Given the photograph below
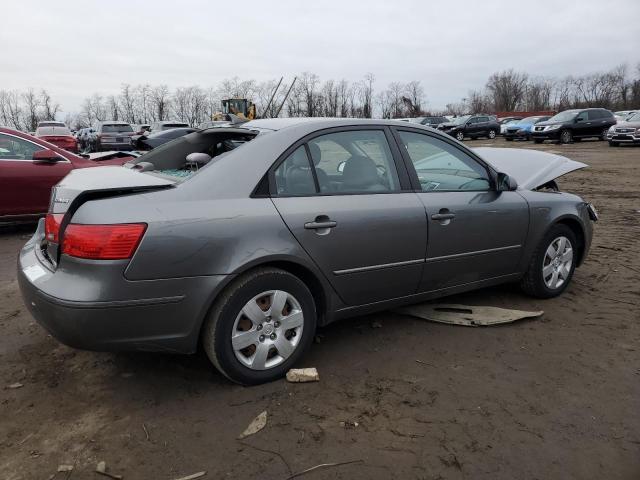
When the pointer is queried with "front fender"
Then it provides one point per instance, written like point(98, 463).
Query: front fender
point(549, 208)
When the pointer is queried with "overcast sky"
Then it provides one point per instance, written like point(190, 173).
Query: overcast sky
point(74, 48)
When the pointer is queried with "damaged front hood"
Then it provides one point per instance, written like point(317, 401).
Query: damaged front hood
point(530, 168)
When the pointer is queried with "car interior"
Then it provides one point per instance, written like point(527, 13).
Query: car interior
point(349, 162)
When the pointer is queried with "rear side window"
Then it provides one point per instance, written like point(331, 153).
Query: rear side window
point(116, 128)
point(294, 175)
point(354, 161)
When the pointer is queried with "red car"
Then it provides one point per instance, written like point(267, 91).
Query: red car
point(59, 136)
point(29, 167)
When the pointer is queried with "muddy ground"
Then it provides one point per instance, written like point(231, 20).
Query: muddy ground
point(552, 398)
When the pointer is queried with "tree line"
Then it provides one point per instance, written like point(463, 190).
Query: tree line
point(309, 96)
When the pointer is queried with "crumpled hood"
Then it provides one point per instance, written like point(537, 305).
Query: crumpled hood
point(530, 168)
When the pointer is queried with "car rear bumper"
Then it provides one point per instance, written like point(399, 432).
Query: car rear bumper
point(105, 311)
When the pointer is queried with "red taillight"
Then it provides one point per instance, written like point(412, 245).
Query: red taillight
point(102, 242)
point(52, 226)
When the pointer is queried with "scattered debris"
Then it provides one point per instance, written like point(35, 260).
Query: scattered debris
point(65, 468)
point(425, 363)
point(301, 375)
point(255, 426)
point(146, 432)
point(376, 324)
point(101, 468)
point(13, 386)
point(402, 434)
point(470, 316)
point(322, 465)
point(192, 476)
point(349, 424)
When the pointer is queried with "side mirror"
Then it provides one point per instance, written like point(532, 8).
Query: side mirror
point(340, 168)
point(505, 183)
point(46, 155)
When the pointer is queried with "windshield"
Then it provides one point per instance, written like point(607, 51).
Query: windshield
point(460, 120)
point(634, 117)
point(116, 128)
point(564, 116)
point(528, 120)
point(52, 130)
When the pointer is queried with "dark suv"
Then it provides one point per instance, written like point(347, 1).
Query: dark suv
point(109, 135)
point(471, 126)
point(434, 121)
point(574, 125)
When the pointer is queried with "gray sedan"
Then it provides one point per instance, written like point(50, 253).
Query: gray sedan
point(246, 239)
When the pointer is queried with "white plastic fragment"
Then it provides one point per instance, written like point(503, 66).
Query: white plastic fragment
point(255, 426)
point(301, 375)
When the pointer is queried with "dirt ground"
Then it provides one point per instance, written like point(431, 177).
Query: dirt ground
point(552, 398)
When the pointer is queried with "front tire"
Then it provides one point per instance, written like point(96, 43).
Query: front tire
point(552, 264)
point(460, 136)
point(260, 326)
point(565, 137)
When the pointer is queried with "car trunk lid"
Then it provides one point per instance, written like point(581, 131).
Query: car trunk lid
point(86, 184)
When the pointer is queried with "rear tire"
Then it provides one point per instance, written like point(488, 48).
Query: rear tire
point(271, 348)
point(603, 135)
point(539, 280)
point(565, 137)
point(492, 134)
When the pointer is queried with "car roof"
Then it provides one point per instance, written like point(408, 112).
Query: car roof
point(275, 124)
point(113, 122)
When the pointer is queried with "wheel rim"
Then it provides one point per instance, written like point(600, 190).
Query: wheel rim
point(460, 136)
point(557, 263)
point(267, 330)
point(492, 134)
point(604, 133)
point(566, 137)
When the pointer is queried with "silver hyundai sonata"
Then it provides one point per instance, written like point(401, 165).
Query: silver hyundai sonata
point(247, 238)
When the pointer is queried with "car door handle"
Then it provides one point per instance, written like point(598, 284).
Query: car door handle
point(320, 222)
point(443, 216)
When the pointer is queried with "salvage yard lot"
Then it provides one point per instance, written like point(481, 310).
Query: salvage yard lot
point(557, 397)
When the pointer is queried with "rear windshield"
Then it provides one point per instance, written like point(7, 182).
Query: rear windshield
point(116, 128)
point(172, 155)
point(173, 125)
point(51, 131)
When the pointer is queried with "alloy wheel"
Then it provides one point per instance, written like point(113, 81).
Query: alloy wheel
point(605, 131)
point(565, 136)
point(460, 136)
point(492, 134)
point(557, 262)
point(267, 330)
